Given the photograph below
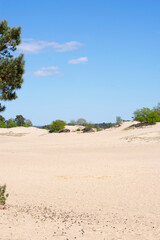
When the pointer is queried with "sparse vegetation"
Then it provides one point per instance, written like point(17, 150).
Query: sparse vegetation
point(3, 195)
point(83, 122)
point(80, 122)
point(64, 130)
point(88, 128)
point(104, 125)
point(118, 120)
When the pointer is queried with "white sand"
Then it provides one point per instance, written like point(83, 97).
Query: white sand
point(90, 186)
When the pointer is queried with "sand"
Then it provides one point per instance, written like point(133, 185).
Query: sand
point(84, 186)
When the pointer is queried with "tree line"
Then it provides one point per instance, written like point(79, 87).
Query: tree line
point(19, 121)
point(144, 115)
point(83, 122)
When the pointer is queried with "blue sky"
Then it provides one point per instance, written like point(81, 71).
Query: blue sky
point(95, 59)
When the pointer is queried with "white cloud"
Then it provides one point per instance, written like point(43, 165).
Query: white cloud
point(41, 73)
point(65, 47)
point(82, 60)
point(49, 68)
point(32, 46)
point(46, 71)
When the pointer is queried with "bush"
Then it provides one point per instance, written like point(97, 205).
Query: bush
point(64, 131)
point(11, 123)
point(146, 115)
point(2, 124)
point(57, 126)
point(88, 128)
point(78, 130)
point(3, 195)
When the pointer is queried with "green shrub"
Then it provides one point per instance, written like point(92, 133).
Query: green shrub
point(88, 128)
point(11, 123)
point(98, 129)
point(2, 124)
point(146, 115)
point(57, 126)
point(3, 195)
point(78, 130)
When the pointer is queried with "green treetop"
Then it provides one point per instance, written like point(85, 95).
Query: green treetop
point(11, 67)
point(146, 115)
point(19, 120)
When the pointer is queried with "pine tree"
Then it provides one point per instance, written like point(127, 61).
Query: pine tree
point(11, 67)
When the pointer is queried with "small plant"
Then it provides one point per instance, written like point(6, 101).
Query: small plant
point(98, 129)
point(78, 130)
point(3, 195)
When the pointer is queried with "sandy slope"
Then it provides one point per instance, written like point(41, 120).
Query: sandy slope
point(93, 186)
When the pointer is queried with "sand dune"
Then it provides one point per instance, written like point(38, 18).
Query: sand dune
point(90, 186)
